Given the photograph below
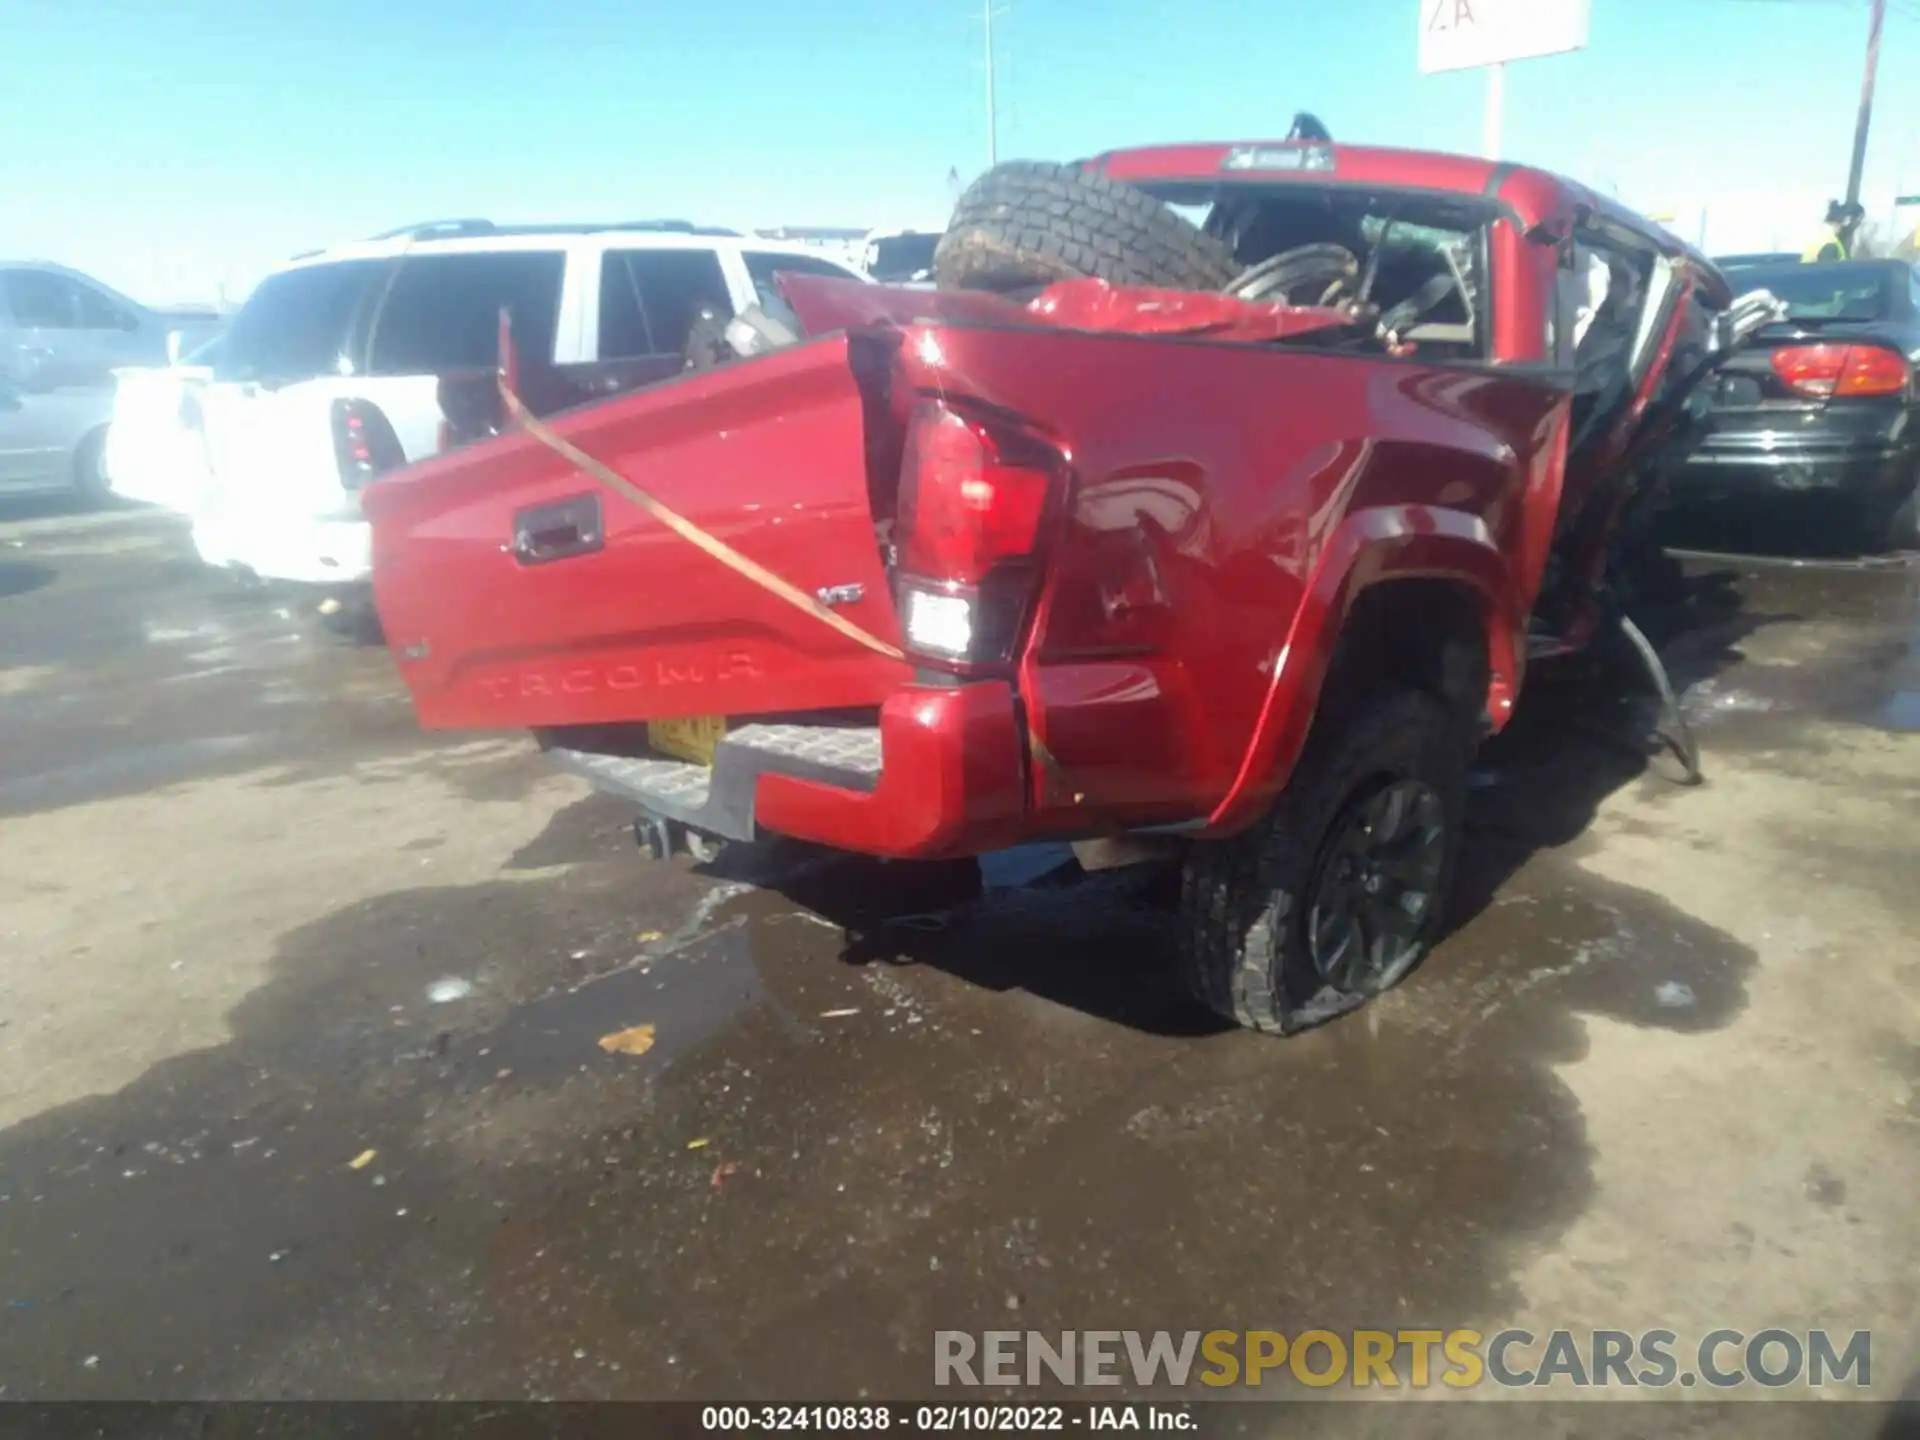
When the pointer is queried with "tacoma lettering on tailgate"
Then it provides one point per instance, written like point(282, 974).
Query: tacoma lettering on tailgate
point(592, 679)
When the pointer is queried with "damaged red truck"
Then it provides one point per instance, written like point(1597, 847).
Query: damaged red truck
point(1234, 532)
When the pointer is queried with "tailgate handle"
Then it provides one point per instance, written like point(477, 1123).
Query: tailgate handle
point(558, 531)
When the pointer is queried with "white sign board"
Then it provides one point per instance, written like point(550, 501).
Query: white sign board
point(1463, 34)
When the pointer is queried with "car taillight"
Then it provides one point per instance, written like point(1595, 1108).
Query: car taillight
point(364, 445)
point(1824, 371)
point(974, 500)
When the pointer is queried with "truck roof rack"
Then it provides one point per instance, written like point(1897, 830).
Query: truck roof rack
point(433, 229)
point(810, 232)
point(451, 229)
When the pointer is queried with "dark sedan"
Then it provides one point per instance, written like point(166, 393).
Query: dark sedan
point(1820, 409)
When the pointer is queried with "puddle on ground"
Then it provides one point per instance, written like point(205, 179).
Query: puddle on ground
point(142, 767)
point(1029, 1119)
point(1902, 711)
point(17, 578)
point(825, 1153)
point(1837, 642)
point(685, 996)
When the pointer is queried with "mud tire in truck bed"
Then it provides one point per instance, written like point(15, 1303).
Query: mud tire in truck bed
point(1029, 223)
point(1245, 902)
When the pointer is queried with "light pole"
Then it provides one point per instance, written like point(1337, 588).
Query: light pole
point(1859, 164)
point(993, 135)
point(1495, 113)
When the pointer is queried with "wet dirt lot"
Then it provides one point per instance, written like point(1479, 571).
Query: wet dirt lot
point(301, 1089)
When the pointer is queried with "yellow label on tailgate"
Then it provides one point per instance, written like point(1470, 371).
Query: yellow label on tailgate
point(692, 738)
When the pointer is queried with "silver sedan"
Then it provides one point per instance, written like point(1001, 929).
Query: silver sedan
point(62, 335)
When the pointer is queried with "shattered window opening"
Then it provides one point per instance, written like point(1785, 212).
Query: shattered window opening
point(1421, 251)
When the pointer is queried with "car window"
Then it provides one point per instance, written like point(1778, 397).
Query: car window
point(298, 323)
point(1443, 259)
point(207, 352)
point(41, 300)
point(1422, 258)
point(762, 266)
point(623, 325)
point(98, 312)
point(1913, 286)
point(1606, 295)
point(442, 312)
point(901, 257)
point(1848, 290)
point(655, 309)
point(1610, 310)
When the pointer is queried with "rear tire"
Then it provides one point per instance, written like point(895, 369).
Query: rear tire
point(1029, 223)
point(1261, 913)
point(352, 618)
point(92, 486)
point(1883, 529)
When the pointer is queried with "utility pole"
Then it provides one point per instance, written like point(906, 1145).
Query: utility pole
point(1493, 116)
point(993, 137)
point(1852, 221)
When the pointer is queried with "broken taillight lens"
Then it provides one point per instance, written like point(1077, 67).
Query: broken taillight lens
point(974, 500)
point(1822, 372)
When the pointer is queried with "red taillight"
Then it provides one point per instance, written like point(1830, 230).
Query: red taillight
point(964, 509)
point(1872, 371)
point(364, 445)
point(973, 501)
point(358, 451)
point(1824, 371)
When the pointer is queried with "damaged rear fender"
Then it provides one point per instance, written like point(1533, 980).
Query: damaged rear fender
point(1377, 547)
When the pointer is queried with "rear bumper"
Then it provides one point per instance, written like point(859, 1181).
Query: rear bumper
point(306, 551)
point(942, 774)
point(1792, 466)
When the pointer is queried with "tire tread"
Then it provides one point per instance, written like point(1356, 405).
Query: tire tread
point(1240, 954)
point(1031, 222)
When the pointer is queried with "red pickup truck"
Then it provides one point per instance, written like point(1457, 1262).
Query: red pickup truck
point(1217, 499)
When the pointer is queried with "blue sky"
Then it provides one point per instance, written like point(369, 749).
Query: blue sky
point(164, 145)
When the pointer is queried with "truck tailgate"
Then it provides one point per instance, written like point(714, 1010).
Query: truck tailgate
point(517, 591)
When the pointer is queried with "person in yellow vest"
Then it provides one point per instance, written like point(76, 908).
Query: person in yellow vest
point(1835, 241)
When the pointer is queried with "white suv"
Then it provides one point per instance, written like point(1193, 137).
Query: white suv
point(330, 372)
